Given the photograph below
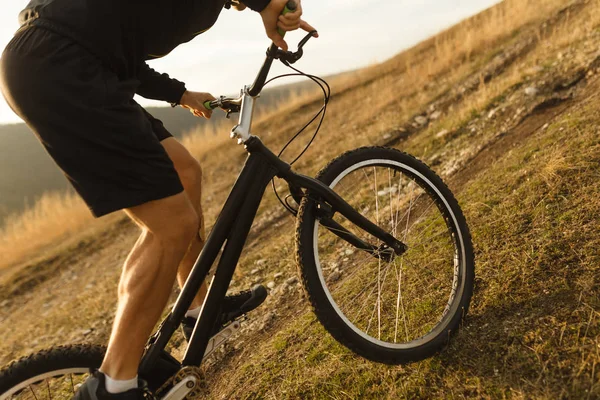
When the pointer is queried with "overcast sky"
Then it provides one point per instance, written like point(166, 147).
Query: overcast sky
point(354, 33)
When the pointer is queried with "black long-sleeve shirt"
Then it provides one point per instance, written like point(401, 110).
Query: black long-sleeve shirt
point(127, 33)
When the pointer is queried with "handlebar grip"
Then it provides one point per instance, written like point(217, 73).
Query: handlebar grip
point(290, 7)
point(208, 105)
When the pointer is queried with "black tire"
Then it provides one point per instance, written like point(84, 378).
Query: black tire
point(326, 289)
point(72, 363)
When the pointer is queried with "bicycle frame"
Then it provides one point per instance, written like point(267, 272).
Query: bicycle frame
point(232, 227)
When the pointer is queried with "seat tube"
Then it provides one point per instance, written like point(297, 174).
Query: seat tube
point(260, 173)
point(214, 243)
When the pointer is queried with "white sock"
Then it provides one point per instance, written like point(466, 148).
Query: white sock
point(114, 386)
point(195, 313)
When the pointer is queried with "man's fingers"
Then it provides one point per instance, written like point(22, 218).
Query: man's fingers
point(291, 26)
point(288, 27)
point(281, 43)
point(290, 17)
point(307, 27)
point(287, 21)
point(278, 40)
point(206, 113)
point(202, 113)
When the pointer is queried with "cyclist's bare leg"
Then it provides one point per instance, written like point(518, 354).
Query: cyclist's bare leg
point(190, 175)
point(168, 226)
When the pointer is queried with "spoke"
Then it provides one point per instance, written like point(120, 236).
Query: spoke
point(410, 203)
point(72, 384)
point(422, 285)
point(397, 206)
point(427, 227)
point(422, 213)
point(379, 299)
point(48, 387)
point(400, 303)
point(398, 277)
point(376, 196)
point(366, 300)
point(378, 261)
point(358, 295)
point(407, 212)
point(365, 172)
point(351, 187)
point(32, 392)
point(357, 270)
point(391, 200)
point(380, 286)
point(423, 243)
point(371, 319)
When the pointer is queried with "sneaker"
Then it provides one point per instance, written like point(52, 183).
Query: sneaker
point(233, 307)
point(94, 388)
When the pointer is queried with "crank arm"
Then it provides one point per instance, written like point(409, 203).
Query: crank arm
point(180, 390)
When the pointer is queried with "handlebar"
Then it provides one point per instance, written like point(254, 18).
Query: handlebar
point(291, 6)
point(233, 105)
point(226, 103)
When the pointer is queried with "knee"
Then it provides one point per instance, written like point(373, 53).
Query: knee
point(178, 234)
point(191, 175)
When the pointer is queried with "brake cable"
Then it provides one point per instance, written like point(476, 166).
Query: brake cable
point(326, 89)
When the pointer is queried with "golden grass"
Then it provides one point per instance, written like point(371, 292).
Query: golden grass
point(49, 220)
point(203, 140)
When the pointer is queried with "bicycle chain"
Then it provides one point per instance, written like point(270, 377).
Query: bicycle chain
point(183, 373)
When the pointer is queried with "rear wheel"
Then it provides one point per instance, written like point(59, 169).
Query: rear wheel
point(397, 310)
point(50, 374)
point(56, 374)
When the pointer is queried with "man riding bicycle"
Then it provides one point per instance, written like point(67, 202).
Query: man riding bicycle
point(71, 73)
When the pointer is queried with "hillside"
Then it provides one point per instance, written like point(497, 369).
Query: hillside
point(504, 107)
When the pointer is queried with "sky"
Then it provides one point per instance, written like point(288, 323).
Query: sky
point(353, 34)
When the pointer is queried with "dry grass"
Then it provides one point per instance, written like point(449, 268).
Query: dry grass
point(49, 220)
point(204, 140)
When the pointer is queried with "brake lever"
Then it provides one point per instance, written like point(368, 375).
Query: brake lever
point(291, 57)
point(232, 109)
point(310, 35)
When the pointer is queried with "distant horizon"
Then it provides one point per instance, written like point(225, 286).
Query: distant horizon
point(342, 47)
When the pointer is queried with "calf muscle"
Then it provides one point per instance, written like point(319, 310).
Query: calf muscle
point(168, 226)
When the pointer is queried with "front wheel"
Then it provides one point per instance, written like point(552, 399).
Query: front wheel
point(394, 310)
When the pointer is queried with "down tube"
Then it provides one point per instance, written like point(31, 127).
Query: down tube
point(262, 174)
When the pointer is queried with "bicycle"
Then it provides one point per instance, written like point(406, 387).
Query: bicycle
point(419, 239)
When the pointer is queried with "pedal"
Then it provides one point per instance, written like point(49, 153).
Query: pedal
point(220, 338)
point(181, 389)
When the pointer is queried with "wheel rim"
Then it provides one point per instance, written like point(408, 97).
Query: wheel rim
point(59, 384)
point(418, 307)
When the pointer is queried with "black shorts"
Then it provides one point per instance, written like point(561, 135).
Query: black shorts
point(107, 145)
